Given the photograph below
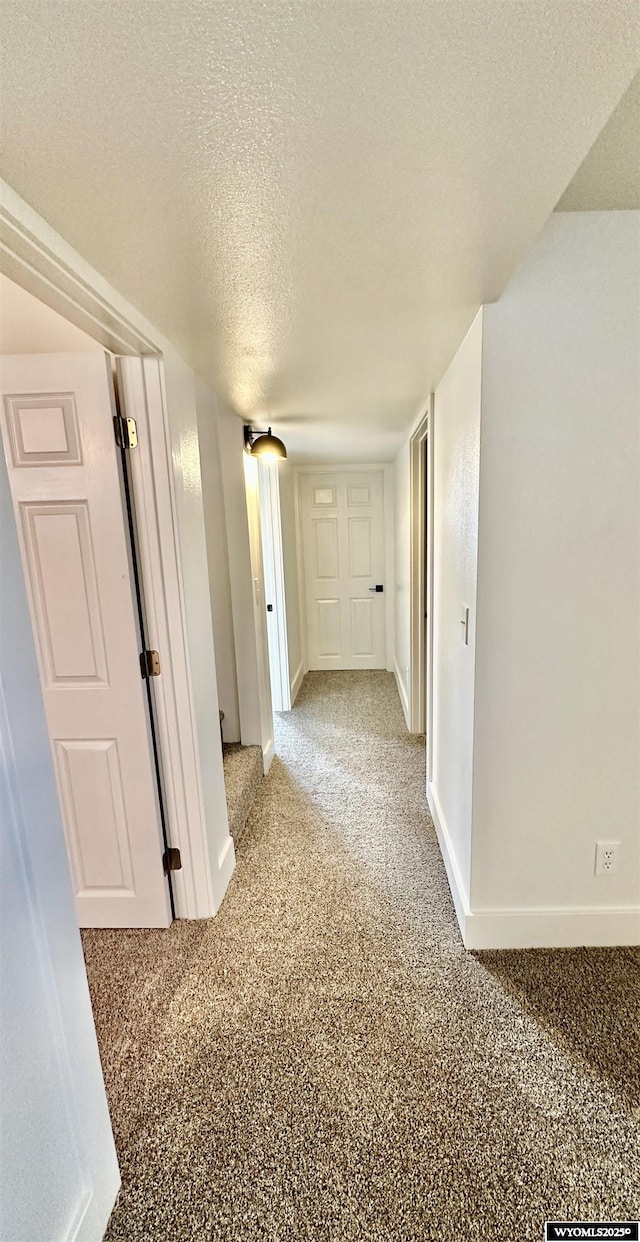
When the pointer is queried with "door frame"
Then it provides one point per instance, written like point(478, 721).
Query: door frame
point(34, 256)
point(273, 566)
point(421, 577)
point(252, 496)
point(386, 469)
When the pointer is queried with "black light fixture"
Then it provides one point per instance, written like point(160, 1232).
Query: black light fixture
point(263, 443)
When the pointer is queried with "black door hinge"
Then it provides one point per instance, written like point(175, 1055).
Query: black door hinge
point(149, 664)
point(126, 432)
point(171, 860)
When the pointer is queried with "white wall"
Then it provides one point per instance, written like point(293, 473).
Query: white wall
point(232, 455)
point(27, 326)
point(402, 561)
point(218, 560)
point(456, 456)
point(557, 714)
point(291, 584)
point(57, 1155)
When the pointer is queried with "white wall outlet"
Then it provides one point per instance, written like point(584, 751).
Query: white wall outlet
point(464, 625)
point(607, 857)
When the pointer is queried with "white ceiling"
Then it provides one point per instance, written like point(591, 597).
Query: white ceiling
point(27, 326)
point(309, 197)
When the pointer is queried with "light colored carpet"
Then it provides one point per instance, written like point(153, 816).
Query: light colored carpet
point(243, 772)
point(324, 1061)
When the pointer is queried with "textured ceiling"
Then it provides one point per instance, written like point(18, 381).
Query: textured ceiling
point(312, 197)
point(609, 178)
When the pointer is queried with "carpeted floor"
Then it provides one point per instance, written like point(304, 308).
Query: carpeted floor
point(243, 774)
point(324, 1061)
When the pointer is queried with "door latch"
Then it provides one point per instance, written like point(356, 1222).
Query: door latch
point(378, 587)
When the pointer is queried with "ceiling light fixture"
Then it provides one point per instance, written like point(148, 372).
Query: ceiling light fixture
point(263, 444)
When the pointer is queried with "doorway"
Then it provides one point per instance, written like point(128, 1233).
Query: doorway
point(421, 576)
point(51, 1073)
point(345, 558)
point(73, 506)
point(274, 585)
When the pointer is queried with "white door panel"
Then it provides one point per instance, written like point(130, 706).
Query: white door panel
point(274, 585)
point(57, 422)
point(252, 493)
point(328, 627)
point(343, 547)
point(361, 553)
point(363, 627)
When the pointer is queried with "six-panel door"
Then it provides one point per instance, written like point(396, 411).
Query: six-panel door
point(57, 423)
point(343, 546)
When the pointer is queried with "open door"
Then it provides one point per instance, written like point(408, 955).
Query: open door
point(274, 585)
point(252, 495)
point(62, 459)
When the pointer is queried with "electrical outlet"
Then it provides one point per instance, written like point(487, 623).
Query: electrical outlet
point(606, 857)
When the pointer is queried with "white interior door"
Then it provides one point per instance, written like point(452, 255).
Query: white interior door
point(252, 494)
point(274, 585)
point(343, 552)
point(57, 426)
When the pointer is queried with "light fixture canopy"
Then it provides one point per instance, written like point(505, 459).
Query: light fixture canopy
point(263, 443)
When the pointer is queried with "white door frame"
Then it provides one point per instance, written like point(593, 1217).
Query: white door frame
point(389, 558)
point(417, 577)
point(252, 494)
point(421, 577)
point(34, 256)
point(273, 559)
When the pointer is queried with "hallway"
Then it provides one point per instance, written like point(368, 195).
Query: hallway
point(324, 1061)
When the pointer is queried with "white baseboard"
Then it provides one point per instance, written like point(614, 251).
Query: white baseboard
point(268, 755)
point(296, 683)
point(552, 929)
point(531, 928)
point(402, 691)
point(226, 867)
point(456, 884)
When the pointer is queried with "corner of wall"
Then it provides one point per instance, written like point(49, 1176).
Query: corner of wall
point(456, 883)
point(296, 682)
point(556, 703)
point(403, 692)
point(455, 443)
